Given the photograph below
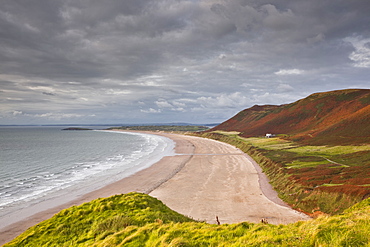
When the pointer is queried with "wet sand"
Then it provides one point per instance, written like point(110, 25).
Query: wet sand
point(205, 179)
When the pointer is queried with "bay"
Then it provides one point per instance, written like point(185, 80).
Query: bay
point(43, 163)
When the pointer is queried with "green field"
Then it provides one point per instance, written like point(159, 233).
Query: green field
point(297, 155)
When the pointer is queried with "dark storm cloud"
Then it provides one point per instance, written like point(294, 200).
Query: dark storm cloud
point(150, 61)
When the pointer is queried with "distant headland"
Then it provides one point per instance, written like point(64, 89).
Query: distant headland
point(76, 128)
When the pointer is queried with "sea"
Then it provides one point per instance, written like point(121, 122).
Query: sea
point(38, 164)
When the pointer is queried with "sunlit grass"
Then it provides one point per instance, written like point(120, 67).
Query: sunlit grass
point(331, 184)
point(139, 220)
point(301, 164)
point(332, 154)
point(270, 143)
point(329, 150)
point(281, 144)
point(227, 132)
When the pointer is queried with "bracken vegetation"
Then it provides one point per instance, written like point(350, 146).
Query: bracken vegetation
point(332, 118)
point(139, 220)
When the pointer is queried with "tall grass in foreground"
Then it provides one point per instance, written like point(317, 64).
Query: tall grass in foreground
point(139, 220)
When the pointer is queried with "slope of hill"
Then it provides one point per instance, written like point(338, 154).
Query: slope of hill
point(335, 117)
point(139, 220)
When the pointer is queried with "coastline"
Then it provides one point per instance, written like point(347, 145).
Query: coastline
point(144, 181)
point(202, 170)
point(72, 169)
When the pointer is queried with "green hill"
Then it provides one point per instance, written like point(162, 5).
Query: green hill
point(139, 220)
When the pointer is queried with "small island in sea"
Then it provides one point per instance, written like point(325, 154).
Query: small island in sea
point(76, 128)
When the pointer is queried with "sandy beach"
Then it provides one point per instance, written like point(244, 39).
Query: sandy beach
point(205, 179)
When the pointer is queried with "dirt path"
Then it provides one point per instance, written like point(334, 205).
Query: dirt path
point(219, 180)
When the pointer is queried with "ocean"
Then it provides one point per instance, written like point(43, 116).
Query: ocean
point(38, 164)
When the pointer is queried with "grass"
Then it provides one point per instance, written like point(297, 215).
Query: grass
point(137, 219)
point(97, 220)
point(324, 151)
point(302, 164)
point(341, 155)
point(329, 150)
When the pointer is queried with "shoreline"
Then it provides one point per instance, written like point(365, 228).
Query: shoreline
point(144, 181)
point(196, 162)
point(159, 147)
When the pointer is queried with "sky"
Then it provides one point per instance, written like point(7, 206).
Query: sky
point(167, 61)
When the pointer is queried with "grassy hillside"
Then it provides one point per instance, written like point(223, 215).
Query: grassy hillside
point(138, 220)
point(97, 220)
point(336, 117)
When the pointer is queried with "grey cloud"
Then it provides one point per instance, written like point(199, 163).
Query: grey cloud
point(47, 93)
point(183, 60)
point(367, 45)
